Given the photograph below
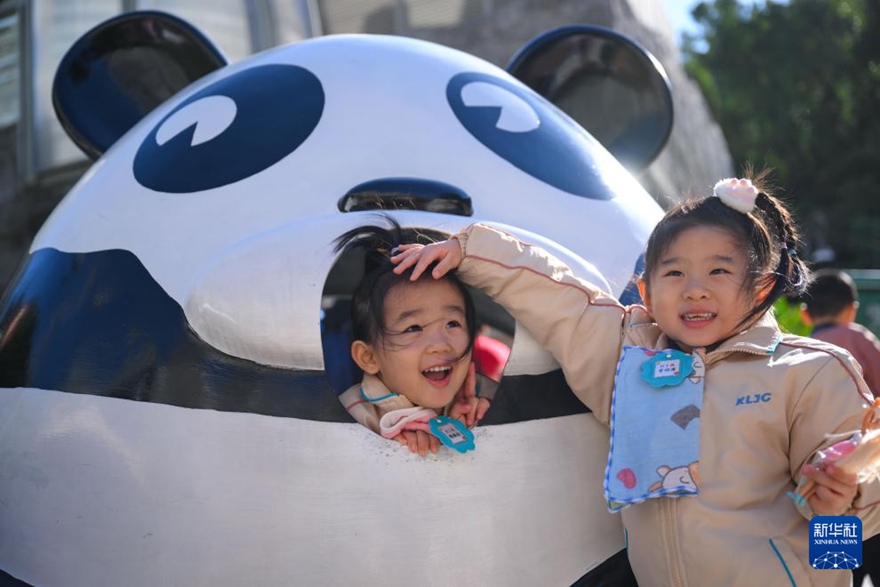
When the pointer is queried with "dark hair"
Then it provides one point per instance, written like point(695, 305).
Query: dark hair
point(831, 292)
point(368, 301)
point(767, 233)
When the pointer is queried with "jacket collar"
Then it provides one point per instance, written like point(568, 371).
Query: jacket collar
point(384, 400)
point(761, 338)
point(374, 392)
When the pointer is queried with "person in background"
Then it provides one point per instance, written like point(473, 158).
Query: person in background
point(830, 307)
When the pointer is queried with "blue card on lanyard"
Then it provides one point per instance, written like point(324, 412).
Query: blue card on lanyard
point(452, 433)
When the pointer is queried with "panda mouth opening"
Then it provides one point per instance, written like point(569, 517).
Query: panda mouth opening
point(403, 193)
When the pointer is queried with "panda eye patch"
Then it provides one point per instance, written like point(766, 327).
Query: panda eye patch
point(528, 132)
point(516, 115)
point(230, 130)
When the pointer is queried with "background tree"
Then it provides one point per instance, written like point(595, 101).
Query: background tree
point(796, 86)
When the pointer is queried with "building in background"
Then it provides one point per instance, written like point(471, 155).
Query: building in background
point(39, 163)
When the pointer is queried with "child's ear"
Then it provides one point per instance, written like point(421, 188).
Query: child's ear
point(850, 313)
point(764, 287)
point(363, 355)
point(643, 291)
point(805, 316)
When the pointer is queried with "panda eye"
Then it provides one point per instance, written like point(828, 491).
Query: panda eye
point(230, 130)
point(516, 114)
point(210, 116)
point(530, 133)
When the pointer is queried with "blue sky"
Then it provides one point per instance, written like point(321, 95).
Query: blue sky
point(679, 13)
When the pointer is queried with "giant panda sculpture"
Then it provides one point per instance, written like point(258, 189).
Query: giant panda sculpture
point(165, 416)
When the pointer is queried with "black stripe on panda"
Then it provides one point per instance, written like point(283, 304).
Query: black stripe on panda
point(7, 580)
point(98, 323)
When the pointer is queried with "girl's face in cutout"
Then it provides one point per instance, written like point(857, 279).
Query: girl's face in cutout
point(696, 290)
point(426, 333)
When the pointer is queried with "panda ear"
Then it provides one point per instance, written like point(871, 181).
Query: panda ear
point(120, 70)
point(606, 82)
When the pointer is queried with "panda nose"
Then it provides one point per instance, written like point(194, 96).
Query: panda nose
point(404, 193)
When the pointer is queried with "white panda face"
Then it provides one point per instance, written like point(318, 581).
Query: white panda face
point(230, 194)
point(283, 136)
point(186, 270)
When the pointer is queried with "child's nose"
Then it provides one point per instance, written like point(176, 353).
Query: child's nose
point(440, 341)
point(696, 290)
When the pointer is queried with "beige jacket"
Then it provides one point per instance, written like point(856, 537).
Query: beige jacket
point(742, 529)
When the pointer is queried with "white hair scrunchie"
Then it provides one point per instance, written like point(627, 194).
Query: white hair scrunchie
point(739, 194)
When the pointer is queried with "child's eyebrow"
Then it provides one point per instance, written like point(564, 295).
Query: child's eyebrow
point(724, 259)
point(418, 311)
point(408, 314)
point(716, 258)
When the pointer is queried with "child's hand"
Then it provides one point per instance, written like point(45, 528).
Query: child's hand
point(467, 407)
point(835, 489)
point(419, 441)
point(447, 254)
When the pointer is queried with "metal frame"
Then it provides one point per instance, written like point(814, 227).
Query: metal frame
point(26, 91)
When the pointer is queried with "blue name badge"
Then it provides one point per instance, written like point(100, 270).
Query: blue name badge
point(452, 433)
point(667, 368)
point(836, 542)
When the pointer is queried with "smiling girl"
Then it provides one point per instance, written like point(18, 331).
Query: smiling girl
point(714, 413)
point(413, 340)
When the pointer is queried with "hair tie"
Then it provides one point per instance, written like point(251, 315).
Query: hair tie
point(738, 194)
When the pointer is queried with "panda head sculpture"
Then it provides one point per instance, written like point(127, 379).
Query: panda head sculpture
point(167, 417)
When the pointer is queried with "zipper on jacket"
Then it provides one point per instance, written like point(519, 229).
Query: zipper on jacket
point(717, 355)
point(667, 508)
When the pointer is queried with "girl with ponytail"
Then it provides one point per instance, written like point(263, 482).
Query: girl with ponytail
point(714, 414)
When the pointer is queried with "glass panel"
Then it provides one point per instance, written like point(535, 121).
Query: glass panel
point(224, 22)
point(358, 16)
point(436, 13)
point(9, 71)
point(292, 21)
point(57, 24)
point(10, 112)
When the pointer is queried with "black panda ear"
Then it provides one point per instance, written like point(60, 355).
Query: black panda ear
point(608, 83)
point(120, 70)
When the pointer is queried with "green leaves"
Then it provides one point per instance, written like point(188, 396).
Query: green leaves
point(796, 86)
